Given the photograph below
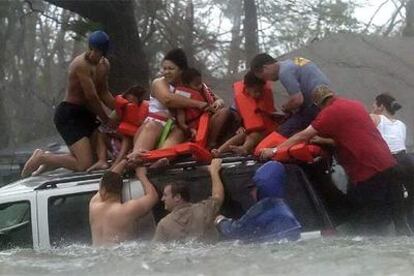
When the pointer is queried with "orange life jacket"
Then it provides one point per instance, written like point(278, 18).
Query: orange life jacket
point(132, 115)
point(192, 115)
point(256, 113)
point(196, 149)
point(299, 152)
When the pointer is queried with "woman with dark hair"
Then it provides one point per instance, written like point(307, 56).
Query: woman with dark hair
point(161, 100)
point(393, 131)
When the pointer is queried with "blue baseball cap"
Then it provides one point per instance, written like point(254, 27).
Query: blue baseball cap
point(99, 40)
point(270, 180)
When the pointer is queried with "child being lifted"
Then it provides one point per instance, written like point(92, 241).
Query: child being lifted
point(194, 88)
point(254, 102)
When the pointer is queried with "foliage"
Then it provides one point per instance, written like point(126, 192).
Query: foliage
point(38, 40)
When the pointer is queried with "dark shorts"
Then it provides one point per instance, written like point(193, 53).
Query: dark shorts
point(298, 121)
point(74, 122)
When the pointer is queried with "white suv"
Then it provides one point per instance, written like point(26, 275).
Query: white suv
point(53, 209)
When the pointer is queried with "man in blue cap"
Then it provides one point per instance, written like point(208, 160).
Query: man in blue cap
point(270, 218)
point(76, 117)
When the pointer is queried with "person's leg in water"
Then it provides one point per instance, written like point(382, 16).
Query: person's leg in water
point(176, 136)
point(218, 122)
point(99, 146)
point(80, 158)
point(406, 165)
point(236, 140)
point(145, 139)
point(126, 146)
point(252, 139)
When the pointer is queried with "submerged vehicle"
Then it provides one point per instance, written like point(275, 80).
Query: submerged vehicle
point(52, 209)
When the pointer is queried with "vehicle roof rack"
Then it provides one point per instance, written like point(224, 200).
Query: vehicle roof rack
point(192, 163)
point(52, 183)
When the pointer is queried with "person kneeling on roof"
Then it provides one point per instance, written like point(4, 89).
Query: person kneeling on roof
point(254, 102)
point(270, 218)
point(376, 194)
point(191, 220)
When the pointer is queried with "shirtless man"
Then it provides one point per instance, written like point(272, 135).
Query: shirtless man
point(111, 220)
point(75, 117)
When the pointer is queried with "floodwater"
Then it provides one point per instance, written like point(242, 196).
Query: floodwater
point(321, 256)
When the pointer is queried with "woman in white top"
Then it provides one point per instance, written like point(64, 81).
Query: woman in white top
point(162, 99)
point(393, 131)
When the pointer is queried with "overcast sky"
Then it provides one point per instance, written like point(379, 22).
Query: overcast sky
point(364, 14)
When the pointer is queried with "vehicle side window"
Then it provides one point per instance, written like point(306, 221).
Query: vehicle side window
point(15, 225)
point(69, 219)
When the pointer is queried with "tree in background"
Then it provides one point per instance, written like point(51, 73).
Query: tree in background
point(128, 62)
point(409, 22)
point(251, 44)
point(39, 38)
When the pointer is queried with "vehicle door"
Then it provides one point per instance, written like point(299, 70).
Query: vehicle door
point(64, 214)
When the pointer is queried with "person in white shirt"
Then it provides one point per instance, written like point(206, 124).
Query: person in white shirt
point(394, 131)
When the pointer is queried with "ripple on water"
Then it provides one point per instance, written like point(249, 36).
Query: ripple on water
point(331, 256)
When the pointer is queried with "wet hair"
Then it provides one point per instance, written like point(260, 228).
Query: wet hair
point(250, 80)
point(259, 60)
point(136, 91)
point(388, 102)
point(178, 57)
point(111, 182)
point(180, 188)
point(189, 75)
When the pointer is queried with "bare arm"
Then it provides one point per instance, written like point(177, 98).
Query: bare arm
point(322, 140)
point(303, 136)
point(217, 189)
point(294, 102)
point(160, 90)
point(375, 118)
point(89, 90)
point(141, 206)
point(102, 72)
point(181, 119)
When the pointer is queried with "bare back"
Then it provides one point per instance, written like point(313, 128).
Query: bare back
point(97, 73)
point(110, 224)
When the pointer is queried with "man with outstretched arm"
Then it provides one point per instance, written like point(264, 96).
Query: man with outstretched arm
point(300, 77)
point(113, 221)
point(375, 194)
point(75, 117)
point(191, 220)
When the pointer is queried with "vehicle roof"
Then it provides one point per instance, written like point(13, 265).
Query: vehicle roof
point(51, 179)
point(48, 180)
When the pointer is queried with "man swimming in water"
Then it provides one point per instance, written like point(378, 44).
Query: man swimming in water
point(75, 117)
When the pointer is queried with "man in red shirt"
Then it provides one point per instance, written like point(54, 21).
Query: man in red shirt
point(360, 149)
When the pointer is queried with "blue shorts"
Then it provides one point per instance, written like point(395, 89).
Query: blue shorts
point(298, 121)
